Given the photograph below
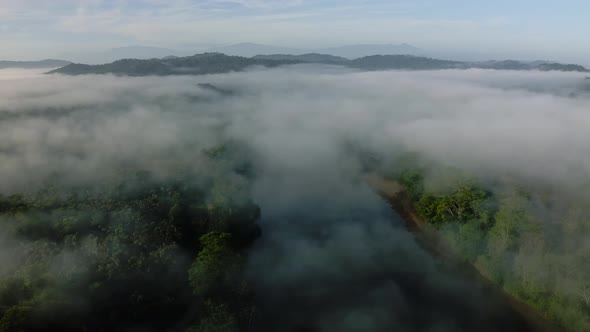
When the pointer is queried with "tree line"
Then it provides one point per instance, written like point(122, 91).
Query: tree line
point(525, 240)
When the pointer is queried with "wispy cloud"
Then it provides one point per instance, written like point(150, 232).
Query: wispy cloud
point(74, 24)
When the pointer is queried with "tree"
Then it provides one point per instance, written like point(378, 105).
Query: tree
point(463, 204)
point(413, 181)
point(530, 265)
point(218, 318)
point(471, 239)
point(434, 208)
point(17, 319)
point(512, 215)
point(216, 266)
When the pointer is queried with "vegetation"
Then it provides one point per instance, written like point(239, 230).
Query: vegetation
point(509, 241)
point(561, 67)
point(200, 64)
point(310, 57)
point(139, 254)
point(213, 63)
point(380, 62)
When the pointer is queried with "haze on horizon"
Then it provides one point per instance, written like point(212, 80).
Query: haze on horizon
point(527, 30)
point(315, 193)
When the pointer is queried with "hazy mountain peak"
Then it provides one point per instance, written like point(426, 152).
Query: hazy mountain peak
point(252, 49)
point(215, 62)
point(360, 50)
point(345, 51)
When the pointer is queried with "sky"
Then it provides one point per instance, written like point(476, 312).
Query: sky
point(531, 29)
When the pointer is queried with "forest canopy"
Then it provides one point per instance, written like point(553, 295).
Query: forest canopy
point(505, 232)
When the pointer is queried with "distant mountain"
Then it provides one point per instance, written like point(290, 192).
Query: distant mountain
point(362, 50)
point(213, 63)
point(309, 58)
point(384, 62)
point(506, 65)
point(347, 51)
point(241, 49)
point(207, 63)
point(252, 49)
point(534, 65)
point(561, 67)
point(42, 64)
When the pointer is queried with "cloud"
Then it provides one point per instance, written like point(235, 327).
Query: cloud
point(333, 255)
point(52, 29)
point(447, 115)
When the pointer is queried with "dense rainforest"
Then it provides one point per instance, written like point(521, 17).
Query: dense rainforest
point(505, 229)
point(137, 254)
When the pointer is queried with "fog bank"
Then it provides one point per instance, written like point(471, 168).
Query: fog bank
point(333, 256)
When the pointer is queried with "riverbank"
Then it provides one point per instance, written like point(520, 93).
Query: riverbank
point(439, 247)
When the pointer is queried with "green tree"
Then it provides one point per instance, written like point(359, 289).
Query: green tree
point(216, 266)
point(217, 318)
point(413, 182)
point(471, 239)
point(431, 207)
point(465, 203)
point(512, 216)
point(17, 319)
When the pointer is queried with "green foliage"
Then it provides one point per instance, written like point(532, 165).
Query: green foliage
point(511, 220)
point(116, 257)
point(218, 318)
point(471, 240)
point(216, 265)
point(199, 64)
point(17, 319)
point(562, 67)
point(432, 208)
point(413, 182)
point(211, 63)
point(215, 277)
point(512, 244)
point(465, 203)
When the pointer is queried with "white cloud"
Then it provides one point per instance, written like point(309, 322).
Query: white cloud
point(71, 25)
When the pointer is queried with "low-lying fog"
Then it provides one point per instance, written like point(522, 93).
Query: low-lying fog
point(492, 120)
point(331, 249)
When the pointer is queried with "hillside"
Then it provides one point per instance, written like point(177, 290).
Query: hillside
point(380, 62)
point(362, 50)
point(345, 51)
point(215, 63)
point(309, 57)
point(200, 64)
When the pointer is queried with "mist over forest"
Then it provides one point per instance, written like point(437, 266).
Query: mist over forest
point(240, 202)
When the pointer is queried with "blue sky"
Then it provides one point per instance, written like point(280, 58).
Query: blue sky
point(521, 28)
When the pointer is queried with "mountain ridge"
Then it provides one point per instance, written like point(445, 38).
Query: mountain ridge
point(215, 63)
point(345, 51)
